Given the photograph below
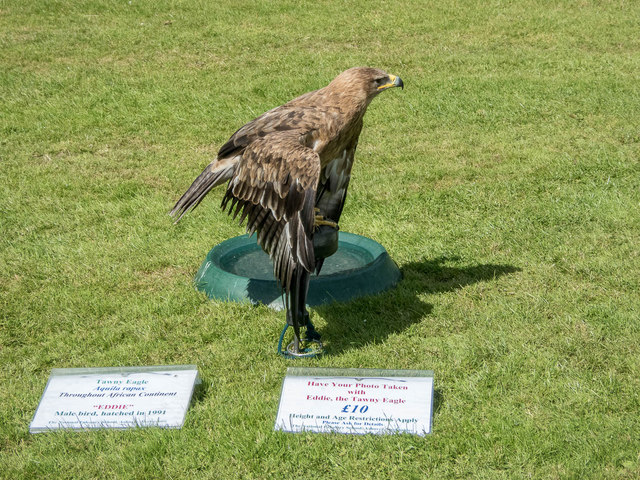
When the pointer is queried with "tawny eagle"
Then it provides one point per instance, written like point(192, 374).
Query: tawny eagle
point(288, 172)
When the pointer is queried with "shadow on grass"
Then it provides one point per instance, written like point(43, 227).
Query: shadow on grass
point(200, 392)
point(372, 319)
point(437, 401)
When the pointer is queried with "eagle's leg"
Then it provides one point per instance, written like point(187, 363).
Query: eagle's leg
point(325, 243)
point(297, 315)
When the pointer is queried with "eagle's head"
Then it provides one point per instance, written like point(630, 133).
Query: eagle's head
point(365, 82)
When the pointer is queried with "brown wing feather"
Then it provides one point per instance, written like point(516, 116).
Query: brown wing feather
point(283, 118)
point(274, 189)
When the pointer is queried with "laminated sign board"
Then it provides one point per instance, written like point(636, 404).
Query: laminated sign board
point(80, 398)
point(356, 401)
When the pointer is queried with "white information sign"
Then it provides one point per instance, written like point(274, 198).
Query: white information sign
point(356, 401)
point(80, 398)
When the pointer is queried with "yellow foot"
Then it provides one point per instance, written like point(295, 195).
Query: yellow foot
point(321, 220)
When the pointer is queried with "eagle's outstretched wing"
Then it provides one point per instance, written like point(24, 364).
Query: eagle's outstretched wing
point(273, 187)
point(283, 120)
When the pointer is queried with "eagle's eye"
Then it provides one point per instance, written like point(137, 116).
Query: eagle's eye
point(379, 81)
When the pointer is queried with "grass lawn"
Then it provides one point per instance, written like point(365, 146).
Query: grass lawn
point(504, 181)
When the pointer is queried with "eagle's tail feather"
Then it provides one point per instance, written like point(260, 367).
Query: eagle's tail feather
point(215, 174)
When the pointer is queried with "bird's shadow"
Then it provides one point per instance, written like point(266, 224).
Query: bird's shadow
point(371, 319)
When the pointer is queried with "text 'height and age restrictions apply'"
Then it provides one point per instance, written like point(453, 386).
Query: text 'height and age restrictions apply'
point(356, 401)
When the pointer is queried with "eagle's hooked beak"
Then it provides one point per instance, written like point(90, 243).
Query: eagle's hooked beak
point(394, 82)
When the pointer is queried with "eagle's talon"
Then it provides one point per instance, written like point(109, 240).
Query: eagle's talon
point(321, 220)
point(311, 334)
